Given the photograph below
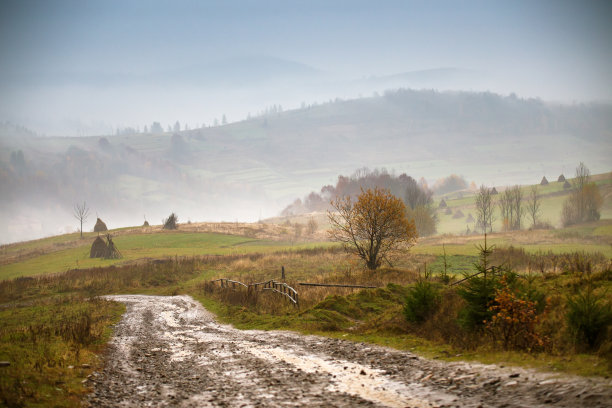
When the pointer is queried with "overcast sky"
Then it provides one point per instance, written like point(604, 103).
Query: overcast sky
point(555, 50)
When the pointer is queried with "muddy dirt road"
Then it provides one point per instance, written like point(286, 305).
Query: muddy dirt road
point(169, 351)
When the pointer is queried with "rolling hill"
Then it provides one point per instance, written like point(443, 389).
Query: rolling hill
point(253, 168)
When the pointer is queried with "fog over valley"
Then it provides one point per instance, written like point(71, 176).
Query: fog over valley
point(252, 169)
point(230, 111)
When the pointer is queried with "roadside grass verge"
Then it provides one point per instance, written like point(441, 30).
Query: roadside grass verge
point(375, 316)
point(53, 327)
point(52, 345)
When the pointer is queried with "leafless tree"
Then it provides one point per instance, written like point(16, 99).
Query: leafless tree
point(297, 231)
point(517, 203)
point(506, 209)
point(312, 226)
point(580, 182)
point(81, 212)
point(534, 202)
point(484, 209)
point(511, 208)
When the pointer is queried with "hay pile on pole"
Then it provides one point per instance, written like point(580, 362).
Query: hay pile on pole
point(544, 182)
point(98, 248)
point(106, 250)
point(100, 226)
point(111, 252)
point(561, 178)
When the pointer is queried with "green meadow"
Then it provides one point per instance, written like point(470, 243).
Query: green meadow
point(137, 246)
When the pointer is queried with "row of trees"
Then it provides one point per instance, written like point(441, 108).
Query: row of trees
point(582, 205)
point(156, 127)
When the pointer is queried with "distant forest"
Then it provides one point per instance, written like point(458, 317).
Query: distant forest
point(416, 195)
point(400, 186)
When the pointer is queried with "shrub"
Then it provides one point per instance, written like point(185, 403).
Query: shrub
point(585, 201)
point(422, 301)
point(514, 320)
point(588, 317)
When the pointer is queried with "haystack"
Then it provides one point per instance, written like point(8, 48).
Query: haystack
point(442, 204)
point(106, 250)
point(98, 248)
point(494, 191)
point(544, 182)
point(561, 178)
point(111, 250)
point(458, 214)
point(146, 223)
point(566, 185)
point(100, 226)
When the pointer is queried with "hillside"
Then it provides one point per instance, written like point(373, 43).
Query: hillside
point(457, 214)
point(252, 169)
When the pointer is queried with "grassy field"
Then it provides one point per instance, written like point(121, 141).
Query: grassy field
point(70, 252)
point(35, 310)
point(553, 196)
point(62, 253)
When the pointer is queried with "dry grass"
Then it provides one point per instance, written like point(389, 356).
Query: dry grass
point(319, 265)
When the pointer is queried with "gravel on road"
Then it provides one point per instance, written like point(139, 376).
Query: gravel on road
point(168, 351)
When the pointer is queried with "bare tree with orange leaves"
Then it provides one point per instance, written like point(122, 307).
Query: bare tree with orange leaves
point(374, 227)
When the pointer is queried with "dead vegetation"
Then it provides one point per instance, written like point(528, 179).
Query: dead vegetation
point(318, 265)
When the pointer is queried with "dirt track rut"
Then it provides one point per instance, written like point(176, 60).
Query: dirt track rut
point(169, 351)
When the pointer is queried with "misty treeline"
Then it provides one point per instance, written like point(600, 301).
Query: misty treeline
point(498, 114)
point(427, 109)
point(108, 176)
point(78, 172)
point(417, 196)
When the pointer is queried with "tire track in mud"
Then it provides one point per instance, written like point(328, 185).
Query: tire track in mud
point(169, 351)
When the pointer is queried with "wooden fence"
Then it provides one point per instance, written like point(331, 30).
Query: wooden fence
point(272, 285)
point(337, 285)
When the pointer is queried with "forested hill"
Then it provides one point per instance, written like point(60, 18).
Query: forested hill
point(253, 168)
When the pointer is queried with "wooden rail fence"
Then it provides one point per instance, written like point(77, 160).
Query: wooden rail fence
point(337, 285)
point(272, 285)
